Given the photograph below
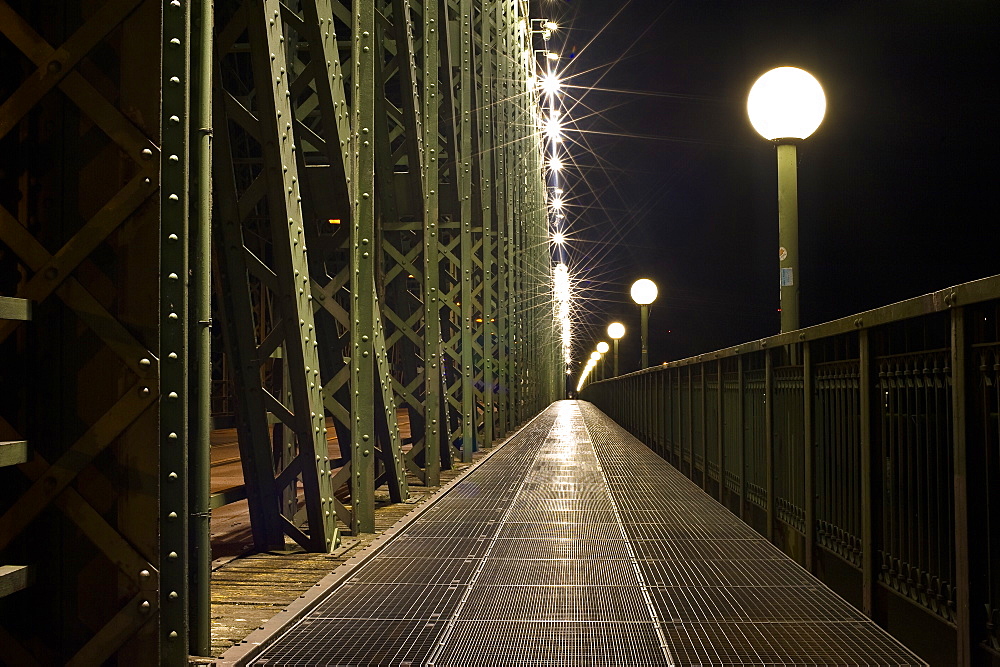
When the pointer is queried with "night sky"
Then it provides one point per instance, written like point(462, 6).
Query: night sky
point(897, 189)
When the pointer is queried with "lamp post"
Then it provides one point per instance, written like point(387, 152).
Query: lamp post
point(616, 330)
point(602, 348)
point(786, 105)
point(644, 293)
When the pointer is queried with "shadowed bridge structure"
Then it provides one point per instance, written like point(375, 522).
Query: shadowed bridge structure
point(322, 225)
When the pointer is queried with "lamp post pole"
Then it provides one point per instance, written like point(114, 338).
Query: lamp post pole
point(785, 105)
point(788, 235)
point(616, 330)
point(644, 293)
point(644, 328)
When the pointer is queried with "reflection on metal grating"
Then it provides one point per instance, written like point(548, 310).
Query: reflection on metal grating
point(575, 544)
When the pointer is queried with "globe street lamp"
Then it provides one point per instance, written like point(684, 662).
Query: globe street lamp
point(616, 330)
point(644, 293)
point(786, 105)
point(603, 348)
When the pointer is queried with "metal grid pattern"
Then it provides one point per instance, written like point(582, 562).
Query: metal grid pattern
point(561, 572)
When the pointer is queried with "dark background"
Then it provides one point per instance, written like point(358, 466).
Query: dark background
point(668, 180)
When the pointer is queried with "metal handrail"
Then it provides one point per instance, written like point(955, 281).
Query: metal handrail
point(868, 444)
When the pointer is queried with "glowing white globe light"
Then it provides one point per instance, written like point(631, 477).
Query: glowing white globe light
point(786, 103)
point(595, 356)
point(644, 291)
point(616, 330)
point(603, 347)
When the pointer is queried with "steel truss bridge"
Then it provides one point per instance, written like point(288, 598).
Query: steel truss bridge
point(317, 220)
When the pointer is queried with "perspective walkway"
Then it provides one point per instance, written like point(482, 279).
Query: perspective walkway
point(575, 544)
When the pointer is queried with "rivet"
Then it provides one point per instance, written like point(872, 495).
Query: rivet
point(172, 476)
point(144, 573)
point(144, 362)
point(173, 595)
point(172, 516)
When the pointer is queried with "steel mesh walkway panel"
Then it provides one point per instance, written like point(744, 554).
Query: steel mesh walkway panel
point(574, 544)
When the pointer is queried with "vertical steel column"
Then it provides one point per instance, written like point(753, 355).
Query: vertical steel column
point(484, 108)
point(463, 169)
point(509, 122)
point(363, 247)
point(174, 396)
point(500, 130)
point(435, 432)
point(200, 417)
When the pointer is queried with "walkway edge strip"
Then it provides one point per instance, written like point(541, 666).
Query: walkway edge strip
point(254, 644)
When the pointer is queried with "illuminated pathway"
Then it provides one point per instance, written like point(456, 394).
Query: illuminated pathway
point(574, 544)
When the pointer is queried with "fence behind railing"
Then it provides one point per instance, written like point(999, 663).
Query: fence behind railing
point(868, 448)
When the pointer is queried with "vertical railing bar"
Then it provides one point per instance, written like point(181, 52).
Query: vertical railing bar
point(964, 583)
point(741, 438)
point(720, 438)
point(808, 504)
point(769, 400)
point(868, 483)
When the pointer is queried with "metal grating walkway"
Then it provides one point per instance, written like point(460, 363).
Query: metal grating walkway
point(575, 544)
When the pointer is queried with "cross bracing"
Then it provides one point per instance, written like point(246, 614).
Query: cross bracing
point(322, 220)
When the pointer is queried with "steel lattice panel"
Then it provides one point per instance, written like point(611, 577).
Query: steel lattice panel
point(618, 604)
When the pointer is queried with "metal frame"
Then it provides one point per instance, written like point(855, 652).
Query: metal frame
point(873, 453)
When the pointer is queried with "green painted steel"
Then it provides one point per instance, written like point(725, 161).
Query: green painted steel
point(366, 179)
point(848, 445)
point(174, 347)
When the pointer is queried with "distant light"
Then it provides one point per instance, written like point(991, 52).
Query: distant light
point(550, 83)
point(553, 128)
point(555, 164)
point(595, 356)
point(334, 221)
point(559, 238)
point(786, 103)
point(551, 25)
point(644, 291)
point(603, 347)
point(551, 55)
point(557, 203)
point(558, 191)
point(616, 330)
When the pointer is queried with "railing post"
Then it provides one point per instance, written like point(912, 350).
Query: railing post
point(965, 582)
point(742, 438)
point(809, 470)
point(868, 477)
point(704, 427)
point(720, 436)
point(769, 441)
point(689, 436)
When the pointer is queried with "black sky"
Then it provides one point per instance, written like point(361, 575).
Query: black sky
point(897, 189)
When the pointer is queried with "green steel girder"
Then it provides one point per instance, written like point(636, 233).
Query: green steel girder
point(100, 236)
point(263, 242)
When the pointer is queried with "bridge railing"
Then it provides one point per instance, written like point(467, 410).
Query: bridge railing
point(868, 448)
